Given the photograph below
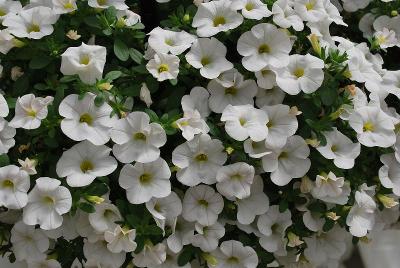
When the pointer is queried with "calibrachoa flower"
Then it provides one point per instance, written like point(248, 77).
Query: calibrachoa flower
point(163, 66)
point(84, 162)
point(14, 187)
point(234, 253)
point(137, 139)
point(47, 202)
point(87, 61)
point(84, 120)
point(164, 41)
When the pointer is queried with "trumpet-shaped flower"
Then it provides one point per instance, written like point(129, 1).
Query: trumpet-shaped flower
point(14, 185)
point(164, 41)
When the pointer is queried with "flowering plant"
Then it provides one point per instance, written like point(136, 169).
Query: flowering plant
point(224, 133)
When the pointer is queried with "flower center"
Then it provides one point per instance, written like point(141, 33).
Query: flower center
point(68, 5)
point(265, 72)
point(270, 124)
point(139, 136)
point(145, 178)
point(334, 148)
point(231, 91)
point(369, 126)
point(2, 12)
point(31, 113)
point(219, 20)
point(203, 203)
point(102, 2)
point(48, 200)
point(310, 6)
point(86, 118)
point(157, 208)
point(264, 48)
point(205, 61)
point(249, 6)
point(33, 28)
point(169, 42)
point(283, 155)
point(233, 260)
point(86, 166)
point(299, 72)
point(108, 213)
point(163, 68)
point(201, 158)
point(274, 228)
point(236, 176)
point(242, 121)
point(7, 183)
point(84, 60)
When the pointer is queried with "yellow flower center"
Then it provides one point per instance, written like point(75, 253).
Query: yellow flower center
point(203, 203)
point(219, 20)
point(249, 6)
point(334, 148)
point(102, 2)
point(270, 124)
point(145, 178)
point(242, 121)
point(169, 42)
point(236, 176)
point(86, 118)
point(68, 5)
point(31, 113)
point(299, 72)
point(368, 126)
point(231, 91)
point(201, 158)
point(33, 28)
point(48, 200)
point(139, 136)
point(205, 61)
point(265, 72)
point(310, 6)
point(84, 60)
point(86, 166)
point(7, 183)
point(163, 68)
point(283, 155)
point(264, 48)
point(2, 12)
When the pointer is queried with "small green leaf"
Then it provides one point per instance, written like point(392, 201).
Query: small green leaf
point(39, 61)
point(136, 55)
point(113, 75)
point(121, 50)
point(86, 207)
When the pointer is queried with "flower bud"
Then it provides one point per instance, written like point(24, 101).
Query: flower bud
point(387, 202)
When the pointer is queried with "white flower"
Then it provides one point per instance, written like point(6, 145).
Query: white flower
point(151, 255)
point(199, 160)
point(207, 237)
point(48, 201)
point(265, 45)
point(165, 210)
point(245, 121)
point(163, 66)
point(361, 217)
point(373, 127)
point(285, 16)
point(33, 23)
point(266, 79)
point(104, 217)
point(85, 229)
point(389, 173)
point(288, 162)
point(313, 221)
point(87, 61)
point(128, 17)
point(340, 148)
point(354, 5)
point(84, 120)
point(14, 185)
point(233, 254)
point(310, 10)
point(237, 92)
point(64, 6)
point(98, 255)
point(164, 41)
point(4, 110)
point(386, 38)
point(216, 16)
point(28, 165)
point(208, 55)
point(83, 162)
point(137, 139)
point(28, 243)
point(67, 230)
point(29, 111)
point(182, 234)
point(326, 247)
point(281, 125)
point(171, 261)
point(191, 124)
point(304, 73)
point(144, 181)
point(331, 189)
point(197, 100)
point(252, 9)
point(202, 204)
point(272, 226)
point(104, 4)
point(7, 41)
point(235, 180)
point(7, 134)
point(255, 204)
point(390, 83)
point(9, 7)
point(121, 239)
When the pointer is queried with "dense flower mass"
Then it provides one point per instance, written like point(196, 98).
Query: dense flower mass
point(197, 133)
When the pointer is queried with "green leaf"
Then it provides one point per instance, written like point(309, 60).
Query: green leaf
point(153, 116)
point(39, 61)
point(113, 75)
point(121, 50)
point(186, 256)
point(4, 160)
point(283, 205)
point(86, 207)
point(136, 55)
point(98, 189)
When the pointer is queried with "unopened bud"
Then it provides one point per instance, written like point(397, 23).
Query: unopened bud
point(105, 86)
point(294, 240)
point(94, 199)
point(315, 44)
point(387, 202)
point(210, 259)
